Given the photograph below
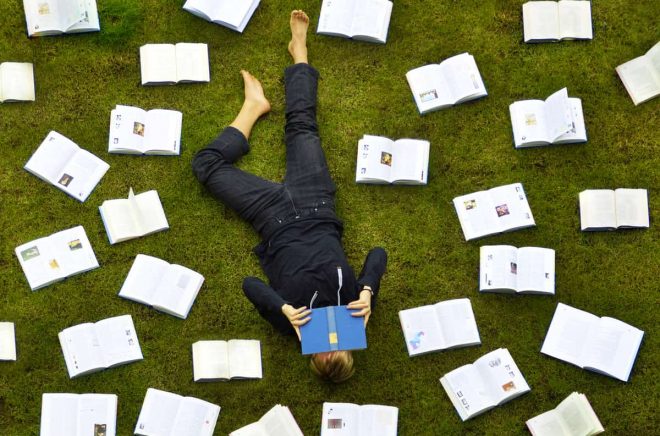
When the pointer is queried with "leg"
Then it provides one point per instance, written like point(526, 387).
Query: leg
point(254, 106)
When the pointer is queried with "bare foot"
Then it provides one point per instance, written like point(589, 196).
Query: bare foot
point(255, 100)
point(298, 45)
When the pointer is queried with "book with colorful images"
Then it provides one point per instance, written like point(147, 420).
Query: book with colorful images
point(441, 326)
point(277, 422)
point(225, 360)
point(232, 14)
point(605, 209)
point(169, 64)
point(346, 419)
point(641, 76)
point(78, 415)
point(56, 257)
point(572, 417)
point(137, 216)
point(136, 131)
point(60, 162)
point(402, 162)
point(552, 21)
point(524, 270)
point(333, 328)
point(16, 81)
point(365, 20)
point(490, 381)
point(497, 210)
point(54, 17)
point(7, 341)
point(454, 80)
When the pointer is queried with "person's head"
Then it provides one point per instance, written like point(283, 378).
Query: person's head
point(335, 366)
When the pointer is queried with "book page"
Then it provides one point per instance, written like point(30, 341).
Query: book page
point(81, 174)
point(256, 429)
point(510, 207)
point(177, 289)
point(97, 415)
point(7, 341)
point(16, 81)
point(548, 424)
point(612, 348)
point(378, 420)
point(470, 392)
point(429, 87)
point(39, 262)
point(82, 349)
point(578, 132)
point(340, 419)
point(597, 209)
point(421, 330)
point(558, 115)
point(151, 215)
point(498, 267)
point(280, 422)
point(245, 358)
point(210, 360)
point(374, 160)
point(410, 161)
point(477, 215)
point(127, 129)
point(641, 78)
point(163, 131)
point(371, 19)
point(577, 415)
point(90, 19)
point(195, 418)
point(118, 340)
point(528, 123)
point(192, 62)
point(575, 19)
point(336, 17)
point(158, 413)
point(228, 12)
point(71, 12)
point(503, 379)
point(536, 270)
point(457, 322)
point(45, 16)
point(202, 8)
point(463, 77)
point(158, 64)
point(50, 158)
point(120, 219)
point(568, 333)
point(59, 414)
point(632, 207)
point(73, 250)
point(143, 277)
point(540, 21)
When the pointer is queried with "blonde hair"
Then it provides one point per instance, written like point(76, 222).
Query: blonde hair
point(335, 366)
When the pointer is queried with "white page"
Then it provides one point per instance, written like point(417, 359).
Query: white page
point(229, 12)
point(510, 207)
point(503, 379)
point(374, 160)
point(7, 341)
point(127, 129)
point(410, 159)
point(118, 339)
point(470, 392)
point(421, 330)
point(151, 214)
point(577, 415)
point(378, 420)
point(529, 123)
point(202, 8)
point(654, 57)
point(457, 322)
point(97, 414)
point(73, 250)
point(568, 333)
point(632, 207)
point(575, 19)
point(143, 277)
point(578, 132)
point(120, 220)
point(71, 12)
point(336, 17)
point(177, 289)
point(82, 349)
point(192, 62)
point(210, 360)
point(39, 262)
point(163, 131)
point(498, 267)
point(536, 269)
point(195, 418)
point(44, 16)
point(340, 419)
point(59, 414)
point(371, 18)
point(81, 174)
point(280, 422)
point(547, 424)
point(612, 348)
point(463, 77)
point(158, 63)
point(540, 20)
point(429, 87)
point(245, 358)
point(90, 21)
point(255, 429)
point(158, 413)
point(51, 156)
point(17, 81)
point(558, 114)
point(477, 215)
point(641, 78)
point(597, 209)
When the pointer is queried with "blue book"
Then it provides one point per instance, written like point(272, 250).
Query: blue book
point(333, 328)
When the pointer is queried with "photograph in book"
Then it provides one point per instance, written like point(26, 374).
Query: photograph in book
point(604, 345)
point(169, 64)
point(63, 164)
point(279, 421)
point(552, 21)
point(490, 381)
point(454, 80)
point(346, 419)
point(54, 17)
point(78, 415)
point(53, 258)
point(444, 325)
point(89, 348)
point(381, 161)
point(232, 14)
point(524, 270)
point(225, 360)
point(574, 416)
point(136, 131)
point(365, 20)
point(641, 76)
point(7, 341)
point(165, 413)
point(137, 216)
point(606, 209)
point(16, 82)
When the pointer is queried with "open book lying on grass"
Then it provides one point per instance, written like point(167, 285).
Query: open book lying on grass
point(366, 20)
point(136, 131)
point(381, 160)
point(169, 64)
point(7, 341)
point(605, 209)
point(524, 270)
point(232, 14)
point(16, 81)
point(572, 417)
point(54, 17)
point(277, 422)
point(551, 21)
point(139, 215)
point(78, 415)
point(225, 360)
point(641, 76)
point(346, 419)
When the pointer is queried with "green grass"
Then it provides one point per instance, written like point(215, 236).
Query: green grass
point(81, 78)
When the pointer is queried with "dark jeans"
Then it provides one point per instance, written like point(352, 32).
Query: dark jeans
point(307, 190)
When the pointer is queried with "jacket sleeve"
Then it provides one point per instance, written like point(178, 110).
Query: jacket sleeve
point(373, 269)
point(268, 302)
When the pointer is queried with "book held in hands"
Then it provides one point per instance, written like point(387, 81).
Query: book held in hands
point(454, 80)
point(557, 120)
point(441, 326)
point(333, 328)
point(60, 162)
point(490, 381)
point(136, 131)
point(233, 14)
point(169, 64)
point(225, 360)
point(641, 76)
point(16, 82)
point(7, 341)
point(346, 419)
point(93, 347)
point(497, 210)
point(54, 17)
point(53, 258)
point(605, 209)
point(604, 345)
point(137, 216)
point(277, 422)
point(572, 417)
point(552, 21)
point(78, 415)
point(167, 414)
point(365, 20)
point(381, 160)
point(524, 270)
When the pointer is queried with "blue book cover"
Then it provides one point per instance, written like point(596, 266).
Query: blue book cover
point(333, 328)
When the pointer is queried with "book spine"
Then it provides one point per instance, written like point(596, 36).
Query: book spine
point(333, 340)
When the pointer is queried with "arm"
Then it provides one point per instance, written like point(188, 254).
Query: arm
point(369, 283)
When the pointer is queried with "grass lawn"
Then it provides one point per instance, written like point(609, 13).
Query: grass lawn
point(363, 90)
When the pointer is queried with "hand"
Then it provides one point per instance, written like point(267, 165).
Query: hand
point(363, 304)
point(296, 317)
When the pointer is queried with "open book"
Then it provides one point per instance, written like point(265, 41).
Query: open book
point(490, 381)
point(605, 209)
point(139, 215)
point(366, 20)
point(557, 120)
point(94, 347)
point(604, 345)
point(78, 415)
point(500, 209)
point(224, 360)
point(56, 257)
point(524, 270)
point(641, 76)
point(345, 419)
point(277, 422)
point(167, 414)
point(545, 21)
point(168, 64)
point(572, 417)
point(136, 131)
point(333, 328)
point(169, 288)
point(60, 162)
point(229, 13)
point(447, 324)
point(16, 81)
point(7, 341)
point(452, 81)
point(381, 160)
point(54, 17)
